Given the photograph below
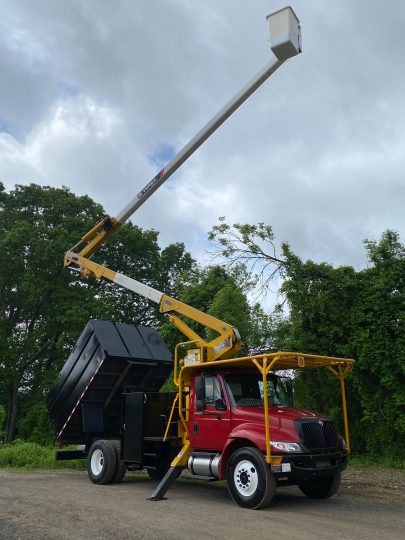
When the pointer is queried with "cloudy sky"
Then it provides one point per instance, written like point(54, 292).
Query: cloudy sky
point(98, 95)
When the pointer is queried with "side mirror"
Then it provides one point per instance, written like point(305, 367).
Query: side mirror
point(220, 405)
point(199, 405)
point(200, 393)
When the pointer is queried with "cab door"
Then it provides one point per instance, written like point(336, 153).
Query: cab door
point(210, 427)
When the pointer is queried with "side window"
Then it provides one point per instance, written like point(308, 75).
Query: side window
point(209, 390)
point(212, 390)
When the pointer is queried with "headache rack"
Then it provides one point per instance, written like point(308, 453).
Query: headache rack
point(265, 363)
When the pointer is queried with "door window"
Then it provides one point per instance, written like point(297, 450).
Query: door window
point(213, 390)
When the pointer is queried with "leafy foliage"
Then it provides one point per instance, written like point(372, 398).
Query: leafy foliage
point(43, 308)
point(331, 311)
point(248, 246)
point(31, 455)
point(339, 312)
point(2, 421)
point(33, 424)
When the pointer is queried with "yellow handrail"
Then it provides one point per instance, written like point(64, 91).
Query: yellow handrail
point(176, 361)
point(170, 417)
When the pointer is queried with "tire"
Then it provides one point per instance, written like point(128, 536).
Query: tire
point(250, 481)
point(121, 467)
point(102, 462)
point(321, 488)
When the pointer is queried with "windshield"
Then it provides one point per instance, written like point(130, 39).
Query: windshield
point(246, 390)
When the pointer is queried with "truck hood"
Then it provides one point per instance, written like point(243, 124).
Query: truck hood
point(277, 413)
point(282, 428)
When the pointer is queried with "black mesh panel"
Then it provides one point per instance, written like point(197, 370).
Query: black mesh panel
point(319, 434)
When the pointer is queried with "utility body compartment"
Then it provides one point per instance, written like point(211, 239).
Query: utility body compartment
point(144, 422)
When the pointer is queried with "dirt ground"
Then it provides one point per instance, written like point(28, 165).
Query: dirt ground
point(66, 505)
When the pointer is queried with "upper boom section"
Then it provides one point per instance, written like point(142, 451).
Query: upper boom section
point(285, 37)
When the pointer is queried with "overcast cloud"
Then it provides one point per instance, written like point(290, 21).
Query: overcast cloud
point(97, 95)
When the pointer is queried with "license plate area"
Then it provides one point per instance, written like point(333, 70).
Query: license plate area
point(319, 464)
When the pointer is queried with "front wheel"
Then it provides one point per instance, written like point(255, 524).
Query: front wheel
point(321, 488)
point(250, 481)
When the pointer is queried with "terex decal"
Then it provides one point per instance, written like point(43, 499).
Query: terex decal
point(151, 184)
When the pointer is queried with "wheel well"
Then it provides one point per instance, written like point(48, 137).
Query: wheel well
point(229, 450)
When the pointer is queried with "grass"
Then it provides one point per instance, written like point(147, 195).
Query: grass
point(381, 461)
point(30, 455)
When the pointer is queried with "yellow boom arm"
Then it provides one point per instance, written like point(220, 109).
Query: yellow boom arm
point(285, 43)
point(224, 345)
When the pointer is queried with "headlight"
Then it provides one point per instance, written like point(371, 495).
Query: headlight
point(286, 446)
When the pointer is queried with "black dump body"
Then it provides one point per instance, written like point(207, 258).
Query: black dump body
point(108, 360)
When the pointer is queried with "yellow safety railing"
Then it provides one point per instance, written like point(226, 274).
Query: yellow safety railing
point(265, 363)
point(197, 342)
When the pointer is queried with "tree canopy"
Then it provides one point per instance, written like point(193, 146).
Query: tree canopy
point(223, 294)
point(43, 307)
point(339, 312)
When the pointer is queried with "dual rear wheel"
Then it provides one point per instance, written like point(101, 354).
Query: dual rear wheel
point(104, 465)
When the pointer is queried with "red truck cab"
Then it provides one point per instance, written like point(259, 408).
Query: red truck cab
point(227, 434)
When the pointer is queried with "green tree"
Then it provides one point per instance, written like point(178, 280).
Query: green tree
point(43, 307)
point(379, 343)
point(250, 247)
point(230, 304)
point(37, 298)
point(339, 312)
point(222, 294)
point(2, 421)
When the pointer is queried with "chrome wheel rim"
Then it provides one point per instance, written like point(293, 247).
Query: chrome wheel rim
point(97, 462)
point(246, 478)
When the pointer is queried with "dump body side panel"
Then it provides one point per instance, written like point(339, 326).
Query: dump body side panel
point(108, 360)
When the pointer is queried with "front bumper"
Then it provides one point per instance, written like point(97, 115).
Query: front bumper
point(309, 466)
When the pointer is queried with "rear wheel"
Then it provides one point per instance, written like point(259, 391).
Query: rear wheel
point(250, 481)
point(101, 462)
point(321, 488)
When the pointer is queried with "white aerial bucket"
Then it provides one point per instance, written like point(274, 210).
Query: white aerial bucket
point(285, 33)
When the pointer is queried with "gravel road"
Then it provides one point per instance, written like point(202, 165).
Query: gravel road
point(65, 505)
